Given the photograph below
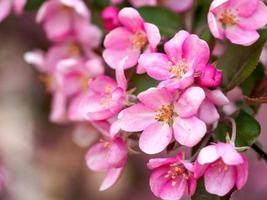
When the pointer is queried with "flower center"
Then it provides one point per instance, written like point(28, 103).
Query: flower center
point(179, 69)
point(139, 40)
point(65, 8)
point(228, 18)
point(176, 170)
point(48, 81)
point(165, 114)
point(107, 96)
point(74, 50)
point(221, 166)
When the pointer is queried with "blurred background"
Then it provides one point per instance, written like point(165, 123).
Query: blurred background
point(44, 161)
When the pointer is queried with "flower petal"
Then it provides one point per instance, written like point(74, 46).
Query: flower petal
point(245, 7)
point(217, 97)
point(131, 19)
point(153, 35)
point(208, 112)
point(5, 8)
point(155, 138)
point(111, 177)
point(208, 155)
point(171, 192)
point(157, 180)
point(158, 162)
point(228, 153)
point(242, 173)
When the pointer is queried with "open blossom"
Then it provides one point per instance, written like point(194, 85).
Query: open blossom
point(171, 178)
point(108, 156)
point(68, 19)
point(110, 17)
point(223, 168)
point(65, 72)
point(160, 116)
point(132, 38)
point(210, 77)
point(237, 20)
point(186, 55)
point(7, 5)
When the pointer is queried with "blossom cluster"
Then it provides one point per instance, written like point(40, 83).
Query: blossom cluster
point(184, 107)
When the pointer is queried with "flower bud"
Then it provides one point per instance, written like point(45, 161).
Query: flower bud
point(110, 17)
point(210, 77)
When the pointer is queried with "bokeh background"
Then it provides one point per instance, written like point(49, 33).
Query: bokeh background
point(45, 161)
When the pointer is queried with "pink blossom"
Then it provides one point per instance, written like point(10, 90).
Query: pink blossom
point(116, 1)
point(110, 17)
point(210, 77)
point(208, 109)
point(160, 116)
point(129, 40)
point(65, 73)
point(109, 156)
point(186, 55)
point(223, 168)
point(104, 97)
point(68, 19)
point(171, 178)
point(237, 20)
point(7, 5)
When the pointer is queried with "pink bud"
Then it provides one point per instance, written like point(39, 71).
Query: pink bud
point(210, 77)
point(110, 17)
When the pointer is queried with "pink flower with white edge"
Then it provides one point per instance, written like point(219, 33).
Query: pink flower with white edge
point(68, 19)
point(171, 178)
point(160, 116)
point(7, 5)
point(105, 97)
point(223, 168)
point(186, 55)
point(237, 20)
point(210, 77)
point(110, 17)
point(108, 156)
point(130, 40)
point(208, 109)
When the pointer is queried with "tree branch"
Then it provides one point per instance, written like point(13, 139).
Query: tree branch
point(257, 148)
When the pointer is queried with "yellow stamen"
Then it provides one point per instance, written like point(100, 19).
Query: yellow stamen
point(165, 114)
point(139, 40)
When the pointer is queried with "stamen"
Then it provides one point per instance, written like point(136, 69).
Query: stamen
point(179, 69)
point(74, 50)
point(139, 40)
point(228, 18)
point(48, 80)
point(165, 114)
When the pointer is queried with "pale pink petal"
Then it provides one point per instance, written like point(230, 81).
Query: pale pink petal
point(118, 150)
point(257, 20)
point(228, 153)
point(58, 110)
point(119, 39)
point(158, 180)
point(36, 58)
point(153, 35)
point(208, 112)
point(136, 118)
point(215, 27)
point(242, 173)
point(158, 162)
point(189, 131)
point(5, 8)
point(238, 35)
point(79, 7)
point(245, 7)
point(131, 19)
point(101, 83)
point(179, 5)
point(173, 47)
point(156, 65)
point(219, 182)
point(120, 76)
point(155, 138)
point(170, 192)
point(217, 3)
point(217, 97)
point(154, 98)
point(140, 3)
point(19, 6)
point(95, 66)
point(189, 102)
point(111, 178)
point(207, 155)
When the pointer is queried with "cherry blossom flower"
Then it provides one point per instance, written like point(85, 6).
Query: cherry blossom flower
point(7, 5)
point(110, 17)
point(186, 55)
point(171, 178)
point(210, 77)
point(132, 38)
point(237, 20)
point(67, 19)
point(223, 168)
point(160, 116)
point(109, 156)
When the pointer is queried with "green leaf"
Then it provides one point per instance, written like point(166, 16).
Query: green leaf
point(238, 62)
point(142, 82)
point(33, 5)
point(201, 9)
point(248, 129)
point(166, 20)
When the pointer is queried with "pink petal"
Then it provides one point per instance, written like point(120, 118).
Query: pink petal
point(120, 76)
point(111, 178)
point(215, 27)
point(155, 138)
point(238, 35)
point(117, 153)
point(58, 110)
point(153, 35)
point(157, 180)
point(95, 66)
point(154, 98)
point(218, 3)
point(229, 155)
point(140, 3)
point(19, 6)
point(208, 112)
point(199, 169)
point(189, 131)
point(189, 102)
point(79, 6)
point(192, 186)
point(242, 173)
point(181, 84)
point(136, 118)
point(158, 162)
point(131, 19)
point(217, 97)
point(196, 51)
point(173, 47)
point(99, 83)
point(36, 58)
point(208, 155)
point(219, 182)
point(257, 20)
point(119, 39)
point(245, 7)
point(156, 65)
point(5, 8)
point(170, 192)
point(179, 5)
